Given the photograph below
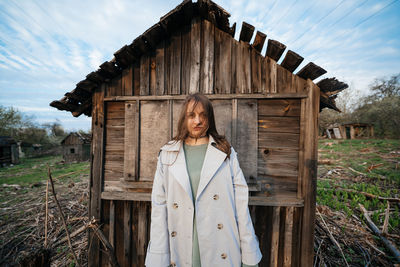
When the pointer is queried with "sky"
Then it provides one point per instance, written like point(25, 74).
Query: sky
point(47, 47)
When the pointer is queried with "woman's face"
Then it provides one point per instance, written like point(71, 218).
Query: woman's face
point(196, 120)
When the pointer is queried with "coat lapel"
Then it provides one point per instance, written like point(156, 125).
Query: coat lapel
point(180, 173)
point(212, 161)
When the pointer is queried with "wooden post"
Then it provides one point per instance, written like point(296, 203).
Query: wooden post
point(308, 175)
point(96, 171)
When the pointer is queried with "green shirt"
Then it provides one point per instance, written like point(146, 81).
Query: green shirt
point(194, 156)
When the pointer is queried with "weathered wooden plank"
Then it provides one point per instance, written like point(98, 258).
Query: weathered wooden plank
point(277, 186)
point(145, 74)
point(152, 73)
point(142, 231)
point(111, 235)
point(279, 107)
point(115, 87)
point(246, 32)
point(176, 110)
point(309, 172)
point(291, 61)
point(160, 69)
point(276, 201)
point(241, 64)
point(278, 162)
point(288, 237)
point(136, 78)
point(275, 49)
point(278, 124)
point(173, 64)
point(127, 81)
point(105, 227)
point(311, 71)
point(96, 170)
point(195, 36)
point(207, 58)
point(247, 136)
point(154, 132)
point(127, 233)
point(119, 232)
point(268, 76)
point(223, 117)
point(279, 140)
point(259, 41)
point(285, 80)
point(130, 141)
point(275, 237)
point(256, 59)
point(223, 65)
point(186, 59)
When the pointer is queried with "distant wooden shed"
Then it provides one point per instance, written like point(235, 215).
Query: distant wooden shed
point(8, 151)
point(350, 131)
point(268, 113)
point(76, 147)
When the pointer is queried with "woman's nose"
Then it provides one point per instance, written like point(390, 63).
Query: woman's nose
point(197, 119)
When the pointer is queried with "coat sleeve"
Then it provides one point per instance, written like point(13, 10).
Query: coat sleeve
point(158, 254)
point(249, 246)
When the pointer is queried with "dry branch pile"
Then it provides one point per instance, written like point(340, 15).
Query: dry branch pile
point(22, 224)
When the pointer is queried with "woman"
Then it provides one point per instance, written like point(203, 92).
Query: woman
point(200, 213)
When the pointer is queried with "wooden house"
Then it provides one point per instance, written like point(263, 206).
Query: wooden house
point(268, 113)
point(8, 151)
point(350, 131)
point(76, 147)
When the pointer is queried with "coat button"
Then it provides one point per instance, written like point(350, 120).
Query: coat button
point(220, 226)
point(173, 234)
point(223, 256)
point(175, 205)
point(215, 197)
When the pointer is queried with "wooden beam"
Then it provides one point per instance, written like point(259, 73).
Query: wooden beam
point(291, 61)
point(259, 41)
point(82, 108)
point(331, 85)
point(109, 70)
point(275, 49)
point(311, 71)
point(124, 56)
point(247, 32)
point(95, 77)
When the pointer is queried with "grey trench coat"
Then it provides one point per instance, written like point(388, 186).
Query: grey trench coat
point(225, 231)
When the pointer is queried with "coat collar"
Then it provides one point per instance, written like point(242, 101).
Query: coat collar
point(212, 161)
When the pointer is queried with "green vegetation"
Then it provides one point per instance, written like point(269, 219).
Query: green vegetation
point(34, 170)
point(360, 171)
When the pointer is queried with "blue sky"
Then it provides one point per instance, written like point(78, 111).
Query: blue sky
point(46, 47)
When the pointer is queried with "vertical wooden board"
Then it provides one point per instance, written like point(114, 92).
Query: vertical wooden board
point(111, 235)
point(160, 69)
point(136, 78)
point(242, 65)
point(234, 59)
point(105, 227)
point(268, 75)
point(119, 231)
point(207, 58)
point(263, 231)
point(142, 231)
point(130, 141)
point(154, 133)
point(275, 236)
point(256, 59)
point(288, 243)
point(223, 65)
point(185, 71)
point(300, 84)
point(223, 117)
point(144, 74)
point(115, 87)
point(309, 172)
point(134, 231)
point(127, 81)
point(173, 64)
point(297, 215)
point(176, 112)
point(127, 233)
point(247, 136)
point(96, 170)
point(195, 40)
point(284, 80)
point(153, 74)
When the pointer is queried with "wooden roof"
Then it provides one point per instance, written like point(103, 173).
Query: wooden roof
point(78, 101)
point(85, 138)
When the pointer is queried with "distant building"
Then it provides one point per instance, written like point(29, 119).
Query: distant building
point(76, 147)
point(8, 151)
point(350, 131)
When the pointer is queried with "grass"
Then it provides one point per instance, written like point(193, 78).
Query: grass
point(34, 170)
point(369, 166)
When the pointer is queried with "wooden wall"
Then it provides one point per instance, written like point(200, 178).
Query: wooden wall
point(268, 114)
